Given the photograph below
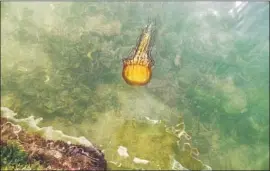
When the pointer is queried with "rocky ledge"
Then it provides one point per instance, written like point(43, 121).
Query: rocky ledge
point(52, 154)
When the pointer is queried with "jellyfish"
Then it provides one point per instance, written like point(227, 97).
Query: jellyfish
point(137, 67)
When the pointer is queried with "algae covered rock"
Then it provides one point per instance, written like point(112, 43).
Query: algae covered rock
point(52, 154)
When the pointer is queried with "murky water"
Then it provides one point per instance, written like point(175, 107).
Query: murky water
point(62, 62)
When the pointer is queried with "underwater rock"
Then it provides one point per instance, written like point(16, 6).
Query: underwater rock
point(52, 154)
point(122, 151)
point(140, 161)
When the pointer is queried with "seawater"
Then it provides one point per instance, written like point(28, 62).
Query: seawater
point(61, 61)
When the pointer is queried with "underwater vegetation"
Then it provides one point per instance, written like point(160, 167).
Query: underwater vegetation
point(21, 149)
point(13, 157)
point(211, 74)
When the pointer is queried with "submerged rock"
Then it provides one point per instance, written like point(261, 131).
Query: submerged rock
point(52, 154)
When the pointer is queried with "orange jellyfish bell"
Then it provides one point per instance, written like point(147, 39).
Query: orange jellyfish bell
point(137, 68)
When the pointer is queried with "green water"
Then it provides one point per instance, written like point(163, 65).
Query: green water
point(62, 62)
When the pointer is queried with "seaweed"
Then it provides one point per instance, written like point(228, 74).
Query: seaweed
point(13, 157)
